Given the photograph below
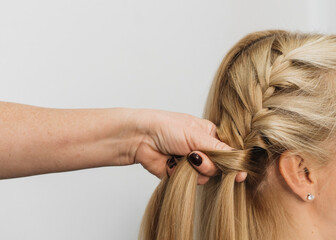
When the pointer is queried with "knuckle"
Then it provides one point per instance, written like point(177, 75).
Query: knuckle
point(212, 128)
point(222, 146)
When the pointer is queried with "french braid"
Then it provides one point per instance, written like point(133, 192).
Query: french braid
point(271, 93)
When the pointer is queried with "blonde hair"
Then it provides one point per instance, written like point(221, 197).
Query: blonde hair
point(274, 91)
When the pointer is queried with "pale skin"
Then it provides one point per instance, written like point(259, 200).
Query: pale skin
point(37, 140)
point(315, 219)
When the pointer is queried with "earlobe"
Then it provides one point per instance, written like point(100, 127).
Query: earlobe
point(296, 174)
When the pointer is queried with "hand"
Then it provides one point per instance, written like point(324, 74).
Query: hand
point(169, 133)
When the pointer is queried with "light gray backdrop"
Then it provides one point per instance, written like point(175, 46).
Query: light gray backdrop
point(121, 53)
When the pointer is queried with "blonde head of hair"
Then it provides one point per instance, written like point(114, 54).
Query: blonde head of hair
point(274, 91)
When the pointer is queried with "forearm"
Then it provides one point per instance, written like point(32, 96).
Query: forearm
point(37, 140)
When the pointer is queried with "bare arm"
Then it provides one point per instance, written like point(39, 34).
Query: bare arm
point(36, 140)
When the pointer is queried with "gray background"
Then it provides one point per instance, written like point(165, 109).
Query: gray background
point(125, 53)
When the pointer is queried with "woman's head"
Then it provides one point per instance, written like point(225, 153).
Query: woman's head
point(275, 93)
point(274, 100)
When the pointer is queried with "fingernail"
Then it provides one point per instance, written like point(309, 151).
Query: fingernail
point(173, 165)
point(195, 159)
point(171, 162)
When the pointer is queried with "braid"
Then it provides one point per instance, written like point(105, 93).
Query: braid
point(270, 94)
point(268, 76)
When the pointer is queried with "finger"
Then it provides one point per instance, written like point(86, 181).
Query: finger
point(209, 139)
point(203, 164)
point(241, 176)
point(213, 129)
point(210, 142)
point(201, 180)
point(171, 163)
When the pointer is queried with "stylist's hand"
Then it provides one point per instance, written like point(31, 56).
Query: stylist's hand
point(169, 133)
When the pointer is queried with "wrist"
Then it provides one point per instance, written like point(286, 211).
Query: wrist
point(143, 125)
point(128, 134)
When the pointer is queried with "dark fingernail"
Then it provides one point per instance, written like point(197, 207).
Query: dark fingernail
point(173, 165)
point(171, 162)
point(195, 159)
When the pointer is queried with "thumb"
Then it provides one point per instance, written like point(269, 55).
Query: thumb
point(211, 142)
point(203, 164)
point(215, 144)
point(200, 161)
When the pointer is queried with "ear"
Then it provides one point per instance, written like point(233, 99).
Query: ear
point(298, 176)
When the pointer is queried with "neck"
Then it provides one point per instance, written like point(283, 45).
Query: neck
point(304, 222)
